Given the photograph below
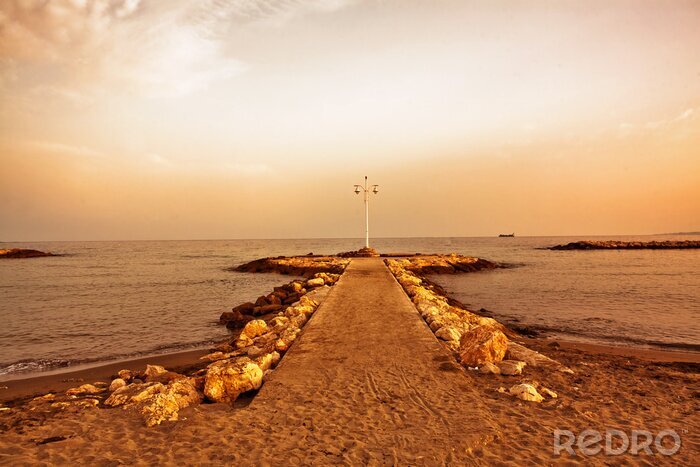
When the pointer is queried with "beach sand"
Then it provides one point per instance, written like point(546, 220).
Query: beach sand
point(609, 390)
point(383, 393)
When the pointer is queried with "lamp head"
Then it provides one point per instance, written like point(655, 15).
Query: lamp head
point(357, 189)
point(375, 189)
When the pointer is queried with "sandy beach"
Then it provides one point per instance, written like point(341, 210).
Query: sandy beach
point(368, 382)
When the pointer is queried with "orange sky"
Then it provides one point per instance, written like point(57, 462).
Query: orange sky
point(128, 119)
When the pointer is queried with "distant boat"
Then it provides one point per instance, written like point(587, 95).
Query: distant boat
point(507, 235)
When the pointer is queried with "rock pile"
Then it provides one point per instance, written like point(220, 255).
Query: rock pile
point(296, 265)
point(238, 366)
point(365, 252)
point(443, 264)
point(16, 253)
point(477, 342)
point(276, 301)
point(616, 245)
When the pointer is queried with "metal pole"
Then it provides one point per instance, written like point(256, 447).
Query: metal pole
point(366, 214)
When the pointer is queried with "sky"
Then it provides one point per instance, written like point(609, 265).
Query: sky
point(212, 119)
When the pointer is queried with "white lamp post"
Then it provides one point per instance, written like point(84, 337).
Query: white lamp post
point(366, 189)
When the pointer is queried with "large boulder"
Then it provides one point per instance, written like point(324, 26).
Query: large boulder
point(254, 328)
point(166, 404)
point(132, 393)
point(225, 380)
point(482, 344)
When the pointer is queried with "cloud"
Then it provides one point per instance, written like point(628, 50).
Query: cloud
point(627, 128)
point(65, 149)
point(111, 46)
point(138, 47)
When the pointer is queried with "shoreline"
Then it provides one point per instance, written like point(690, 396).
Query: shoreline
point(38, 384)
point(54, 381)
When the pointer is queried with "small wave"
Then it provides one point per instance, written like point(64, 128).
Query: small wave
point(31, 366)
point(49, 364)
point(539, 329)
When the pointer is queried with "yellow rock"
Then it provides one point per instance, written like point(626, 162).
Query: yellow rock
point(526, 392)
point(254, 328)
point(481, 345)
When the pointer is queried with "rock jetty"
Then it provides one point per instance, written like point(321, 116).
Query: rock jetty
point(267, 327)
point(477, 342)
point(616, 245)
point(296, 265)
point(18, 253)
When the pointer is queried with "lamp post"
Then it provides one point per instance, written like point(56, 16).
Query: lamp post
point(366, 189)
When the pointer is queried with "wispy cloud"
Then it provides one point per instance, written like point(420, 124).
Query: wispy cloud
point(64, 149)
point(627, 128)
point(145, 48)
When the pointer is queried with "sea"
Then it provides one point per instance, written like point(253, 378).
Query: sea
point(106, 301)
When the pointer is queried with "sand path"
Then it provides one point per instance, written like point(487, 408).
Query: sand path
point(369, 381)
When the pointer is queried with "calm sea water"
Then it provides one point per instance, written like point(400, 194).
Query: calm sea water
point(105, 301)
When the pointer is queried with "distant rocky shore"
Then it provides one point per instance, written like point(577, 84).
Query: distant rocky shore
point(616, 245)
point(17, 253)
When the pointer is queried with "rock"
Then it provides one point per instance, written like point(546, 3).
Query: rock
point(526, 392)
point(116, 384)
point(126, 375)
point(618, 245)
point(261, 301)
point(291, 298)
point(83, 390)
point(243, 341)
point(227, 379)
point(166, 404)
point(511, 367)
point(548, 392)
point(244, 308)
point(17, 253)
point(274, 299)
point(235, 319)
point(296, 287)
point(317, 282)
point(279, 323)
point(286, 339)
point(482, 345)
point(531, 357)
point(254, 328)
point(132, 393)
point(263, 310)
point(152, 371)
point(448, 333)
point(489, 368)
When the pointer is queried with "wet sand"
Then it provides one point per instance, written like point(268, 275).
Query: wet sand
point(60, 381)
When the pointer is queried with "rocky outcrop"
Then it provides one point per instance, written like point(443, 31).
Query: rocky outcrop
point(617, 245)
point(364, 252)
point(225, 380)
point(443, 264)
point(305, 266)
point(18, 253)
